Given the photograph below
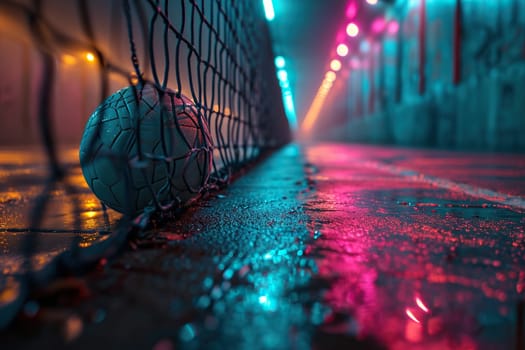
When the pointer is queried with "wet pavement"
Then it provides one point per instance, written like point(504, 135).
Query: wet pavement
point(23, 175)
point(324, 246)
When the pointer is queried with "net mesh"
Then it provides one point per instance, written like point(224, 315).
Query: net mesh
point(186, 96)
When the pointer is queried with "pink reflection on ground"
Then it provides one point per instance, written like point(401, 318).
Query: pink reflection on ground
point(346, 247)
point(413, 264)
point(411, 315)
point(415, 314)
point(421, 305)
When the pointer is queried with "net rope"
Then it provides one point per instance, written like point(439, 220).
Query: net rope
point(209, 64)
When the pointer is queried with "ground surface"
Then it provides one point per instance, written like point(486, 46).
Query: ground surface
point(325, 246)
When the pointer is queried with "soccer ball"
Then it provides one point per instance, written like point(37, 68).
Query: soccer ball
point(143, 147)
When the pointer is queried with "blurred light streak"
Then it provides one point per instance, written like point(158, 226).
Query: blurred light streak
point(315, 108)
point(371, 2)
point(268, 10)
point(411, 315)
point(421, 305)
point(313, 112)
point(286, 92)
point(327, 84)
point(330, 76)
point(290, 111)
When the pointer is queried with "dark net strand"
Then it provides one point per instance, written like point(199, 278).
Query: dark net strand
point(205, 67)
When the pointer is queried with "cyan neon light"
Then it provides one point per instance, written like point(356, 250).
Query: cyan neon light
point(288, 103)
point(282, 75)
point(289, 109)
point(284, 84)
point(286, 92)
point(268, 10)
point(280, 62)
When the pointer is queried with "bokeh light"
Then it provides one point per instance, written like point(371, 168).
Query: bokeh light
point(352, 30)
point(326, 85)
point(393, 28)
point(335, 65)
point(90, 57)
point(372, 2)
point(282, 75)
point(286, 91)
point(342, 50)
point(364, 46)
point(355, 63)
point(351, 10)
point(68, 59)
point(378, 25)
point(280, 62)
point(330, 76)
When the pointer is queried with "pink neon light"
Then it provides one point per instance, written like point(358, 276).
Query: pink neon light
point(378, 25)
point(354, 63)
point(341, 36)
point(393, 28)
point(351, 10)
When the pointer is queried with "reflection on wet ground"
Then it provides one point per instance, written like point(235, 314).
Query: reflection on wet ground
point(415, 265)
point(328, 246)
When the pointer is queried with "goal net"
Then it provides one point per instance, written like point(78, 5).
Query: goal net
point(62, 59)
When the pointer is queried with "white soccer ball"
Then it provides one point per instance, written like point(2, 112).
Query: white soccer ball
point(145, 148)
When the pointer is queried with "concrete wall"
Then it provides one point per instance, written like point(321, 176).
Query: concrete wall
point(479, 104)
